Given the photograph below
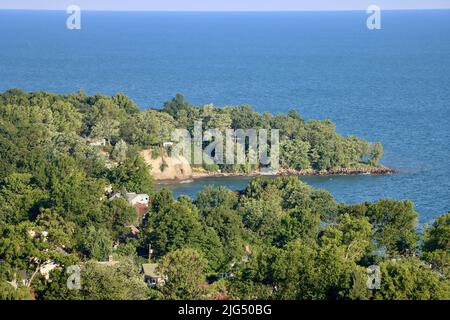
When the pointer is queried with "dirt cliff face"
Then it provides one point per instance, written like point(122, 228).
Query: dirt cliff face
point(167, 168)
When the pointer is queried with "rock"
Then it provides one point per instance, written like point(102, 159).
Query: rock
point(167, 168)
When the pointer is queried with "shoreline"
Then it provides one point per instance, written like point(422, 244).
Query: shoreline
point(291, 172)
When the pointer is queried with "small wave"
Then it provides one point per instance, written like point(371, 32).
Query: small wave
point(187, 181)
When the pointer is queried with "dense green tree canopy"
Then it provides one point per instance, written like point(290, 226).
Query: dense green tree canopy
point(277, 239)
point(185, 273)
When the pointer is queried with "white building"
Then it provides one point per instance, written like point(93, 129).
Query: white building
point(138, 199)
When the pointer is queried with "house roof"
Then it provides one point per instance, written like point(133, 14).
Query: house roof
point(116, 195)
point(132, 196)
point(129, 196)
point(150, 269)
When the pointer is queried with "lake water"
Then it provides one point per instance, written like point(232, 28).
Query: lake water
point(391, 85)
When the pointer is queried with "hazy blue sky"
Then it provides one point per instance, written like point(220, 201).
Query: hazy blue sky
point(223, 5)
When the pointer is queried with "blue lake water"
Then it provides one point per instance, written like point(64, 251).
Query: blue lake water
point(391, 85)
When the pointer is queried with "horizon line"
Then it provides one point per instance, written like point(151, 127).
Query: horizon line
point(227, 11)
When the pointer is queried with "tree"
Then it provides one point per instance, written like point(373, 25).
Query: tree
point(299, 224)
point(148, 128)
point(437, 237)
point(86, 156)
point(20, 198)
point(253, 279)
point(263, 214)
point(10, 291)
point(294, 154)
point(294, 272)
point(65, 117)
point(26, 247)
point(121, 281)
point(228, 225)
point(106, 129)
point(125, 103)
point(120, 151)
point(352, 235)
point(335, 279)
point(177, 104)
point(133, 175)
point(184, 271)
point(104, 118)
point(96, 243)
point(173, 228)
point(163, 200)
point(411, 279)
point(72, 192)
point(394, 225)
point(177, 225)
point(60, 231)
point(292, 126)
point(123, 215)
point(244, 117)
point(436, 244)
point(322, 137)
point(210, 198)
point(376, 153)
point(216, 118)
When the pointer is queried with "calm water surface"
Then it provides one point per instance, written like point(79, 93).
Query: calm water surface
point(391, 85)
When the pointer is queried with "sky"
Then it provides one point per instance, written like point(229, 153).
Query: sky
point(224, 5)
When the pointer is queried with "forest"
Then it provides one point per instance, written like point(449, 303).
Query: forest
point(277, 239)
